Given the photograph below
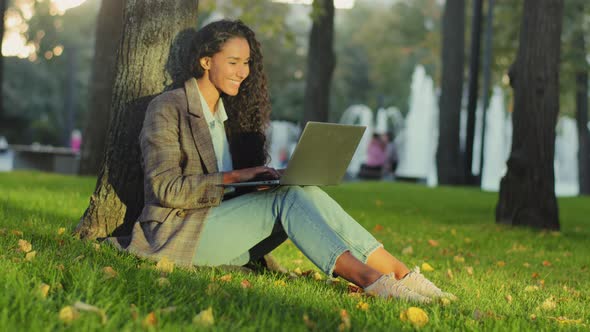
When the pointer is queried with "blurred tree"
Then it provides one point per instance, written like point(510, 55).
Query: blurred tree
point(378, 47)
point(109, 26)
point(320, 62)
point(448, 155)
point(527, 191)
point(35, 95)
point(150, 59)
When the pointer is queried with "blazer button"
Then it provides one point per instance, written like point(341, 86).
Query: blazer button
point(181, 213)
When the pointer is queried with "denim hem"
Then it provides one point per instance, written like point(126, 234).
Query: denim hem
point(332, 261)
point(372, 250)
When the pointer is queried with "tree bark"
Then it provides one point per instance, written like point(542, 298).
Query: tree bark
point(582, 115)
point(2, 12)
point(448, 154)
point(527, 191)
point(473, 91)
point(320, 62)
point(109, 26)
point(151, 50)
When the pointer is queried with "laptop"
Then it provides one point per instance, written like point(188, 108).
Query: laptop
point(320, 158)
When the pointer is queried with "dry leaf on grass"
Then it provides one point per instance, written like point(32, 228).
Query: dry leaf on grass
point(345, 321)
point(469, 270)
point(297, 271)
point(549, 304)
point(24, 245)
point(68, 314)
point(364, 306)
point(530, 288)
point(459, 259)
point(16, 232)
point(416, 316)
point(43, 290)
point(427, 267)
point(225, 278)
point(433, 243)
point(109, 272)
point(150, 320)
point(546, 263)
point(30, 256)
point(378, 228)
point(280, 283)
point(61, 230)
point(508, 298)
point(565, 321)
point(165, 265)
point(318, 276)
point(204, 318)
point(501, 263)
point(245, 284)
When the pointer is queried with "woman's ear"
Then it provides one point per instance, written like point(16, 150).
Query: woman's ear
point(205, 62)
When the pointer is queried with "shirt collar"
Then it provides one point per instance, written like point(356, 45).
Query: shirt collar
point(220, 115)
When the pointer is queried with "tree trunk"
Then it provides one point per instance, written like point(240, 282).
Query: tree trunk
point(108, 32)
point(473, 91)
point(2, 12)
point(154, 32)
point(582, 116)
point(448, 154)
point(527, 191)
point(320, 62)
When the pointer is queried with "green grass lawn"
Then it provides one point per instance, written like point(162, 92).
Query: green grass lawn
point(506, 278)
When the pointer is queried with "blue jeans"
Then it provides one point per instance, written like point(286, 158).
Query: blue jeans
point(252, 225)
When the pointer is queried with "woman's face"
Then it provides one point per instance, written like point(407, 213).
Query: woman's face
point(230, 66)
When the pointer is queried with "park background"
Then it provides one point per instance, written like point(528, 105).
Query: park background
point(64, 76)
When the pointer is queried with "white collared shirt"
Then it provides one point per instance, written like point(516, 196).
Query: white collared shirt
point(217, 132)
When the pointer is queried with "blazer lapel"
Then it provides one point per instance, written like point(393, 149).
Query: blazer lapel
point(199, 127)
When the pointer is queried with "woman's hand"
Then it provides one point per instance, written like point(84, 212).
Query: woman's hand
point(246, 174)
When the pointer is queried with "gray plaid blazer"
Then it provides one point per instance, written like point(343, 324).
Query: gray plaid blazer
point(181, 180)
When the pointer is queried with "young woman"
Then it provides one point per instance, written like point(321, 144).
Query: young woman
point(212, 132)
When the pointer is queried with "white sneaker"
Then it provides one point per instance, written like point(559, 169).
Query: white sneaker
point(416, 282)
point(389, 287)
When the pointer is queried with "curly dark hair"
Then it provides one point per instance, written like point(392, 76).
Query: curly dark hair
point(248, 111)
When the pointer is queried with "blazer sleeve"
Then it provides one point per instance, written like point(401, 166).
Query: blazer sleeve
point(161, 152)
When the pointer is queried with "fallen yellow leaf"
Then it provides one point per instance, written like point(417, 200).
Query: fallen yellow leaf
point(449, 274)
point(364, 306)
point(109, 272)
point(549, 304)
point(508, 298)
point(469, 270)
point(529, 288)
point(415, 316)
point(427, 267)
point(30, 256)
point(318, 276)
point(433, 243)
point(204, 318)
point(165, 265)
point(150, 320)
point(61, 230)
point(245, 284)
point(16, 232)
point(297, 271)
point(68, 314)
point(24, 245)
point(501, 263)
point(226, 278)
point(280, 283)
point(459, 259)
point(44, 290)
point(345, 321)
